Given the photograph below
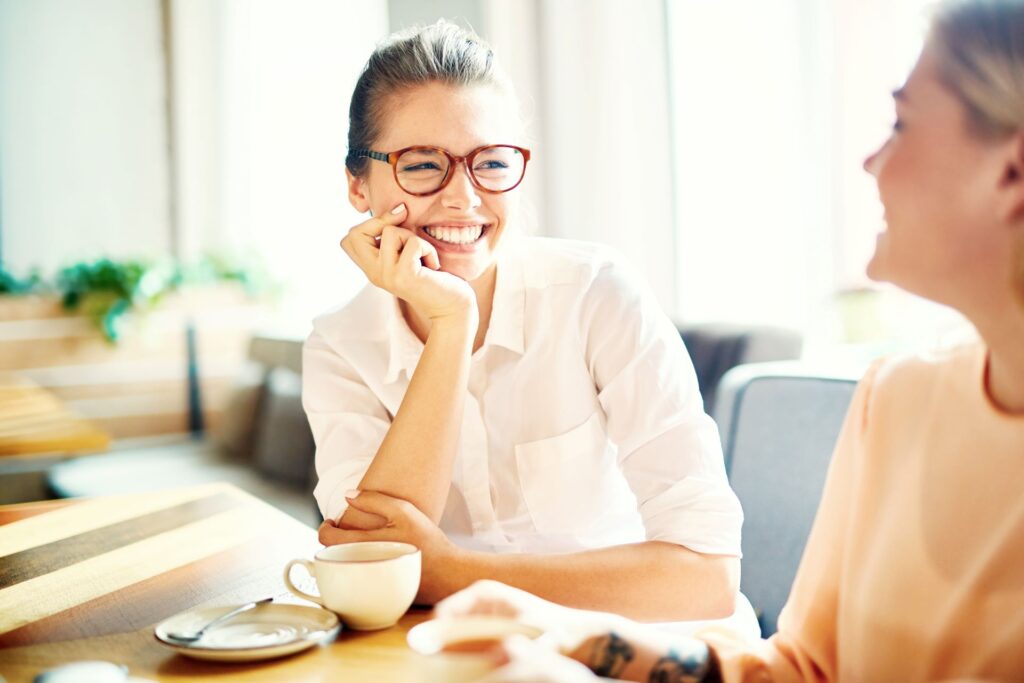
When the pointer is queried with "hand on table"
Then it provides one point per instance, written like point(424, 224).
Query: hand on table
point(404, 523)
point(563, 626)
point(565, 630)
point(527, 661)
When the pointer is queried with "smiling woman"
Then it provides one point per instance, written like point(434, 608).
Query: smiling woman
point(518, 408)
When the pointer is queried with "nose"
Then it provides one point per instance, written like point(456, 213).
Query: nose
point(871, 162)
point(460, 194)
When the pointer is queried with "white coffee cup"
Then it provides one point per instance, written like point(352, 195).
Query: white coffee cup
point(369, 585)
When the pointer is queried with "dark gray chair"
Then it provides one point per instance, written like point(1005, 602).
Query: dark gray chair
point(715, 348)
point(779, 423)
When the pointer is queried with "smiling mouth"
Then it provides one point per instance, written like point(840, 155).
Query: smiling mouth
point(459, 235)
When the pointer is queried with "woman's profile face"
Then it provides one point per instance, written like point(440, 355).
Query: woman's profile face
point(464, 224)
point(939, 184)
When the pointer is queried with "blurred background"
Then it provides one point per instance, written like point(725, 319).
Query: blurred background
point(172, 181)
point(718, 145)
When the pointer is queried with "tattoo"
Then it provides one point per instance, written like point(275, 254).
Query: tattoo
point(610, 655)
point(674, 667)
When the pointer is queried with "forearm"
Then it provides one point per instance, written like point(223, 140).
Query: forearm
point(414, 461)
point(650, 581)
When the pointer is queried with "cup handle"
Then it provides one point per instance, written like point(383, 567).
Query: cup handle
point(291, 586)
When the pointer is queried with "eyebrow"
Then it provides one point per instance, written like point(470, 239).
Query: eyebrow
point(900, 94)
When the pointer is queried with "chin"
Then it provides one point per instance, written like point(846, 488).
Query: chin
point(463, 271)
point(467, 269)
point(876, 269)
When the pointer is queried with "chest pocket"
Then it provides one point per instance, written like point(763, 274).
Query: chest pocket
point(571, 480)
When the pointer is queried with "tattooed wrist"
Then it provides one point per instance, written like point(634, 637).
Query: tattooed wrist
point(689, 660)
point(609, 655)
point(694, 663)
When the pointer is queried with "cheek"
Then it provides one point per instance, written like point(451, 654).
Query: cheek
point(1017, 265)
point(501, 207)
point(383, 192)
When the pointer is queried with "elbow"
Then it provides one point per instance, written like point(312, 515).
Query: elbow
point(714, 586)
point(723, 582)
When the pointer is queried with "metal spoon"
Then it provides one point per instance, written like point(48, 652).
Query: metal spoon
point(196, 635)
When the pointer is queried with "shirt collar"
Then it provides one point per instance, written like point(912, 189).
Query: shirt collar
point(505, 329)
point(506, 326)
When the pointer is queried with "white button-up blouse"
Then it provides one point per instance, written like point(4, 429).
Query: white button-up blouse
point(583, 423)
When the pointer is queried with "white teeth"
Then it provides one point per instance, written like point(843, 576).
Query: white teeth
point(455, 235)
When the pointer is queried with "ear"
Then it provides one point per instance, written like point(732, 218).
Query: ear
point(1011, 184)
point(358, 194)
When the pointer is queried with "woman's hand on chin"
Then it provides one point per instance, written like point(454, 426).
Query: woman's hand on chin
point(405, 523)
point(398, 261)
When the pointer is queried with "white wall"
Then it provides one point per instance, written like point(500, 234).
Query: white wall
point(753, 174)
point(606, 131)
point(288, 70)
point(198, 83)
point(83, 148)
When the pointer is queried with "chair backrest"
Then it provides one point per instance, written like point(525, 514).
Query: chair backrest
point(779, 423)
point(714, 348)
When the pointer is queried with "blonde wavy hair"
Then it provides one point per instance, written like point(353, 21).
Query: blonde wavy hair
point(980, 48)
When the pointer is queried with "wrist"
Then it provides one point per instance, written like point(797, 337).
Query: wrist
point(620, 654)
point(456, 327)
point(461, 569)
point(462, 316)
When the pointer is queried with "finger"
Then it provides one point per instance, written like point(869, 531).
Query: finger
point(332, 535)
point(361, 241)
point(482, 598)
point(529, 661)
point(380, 504)
point(418, 252)
point(357, 519)
point(392, 243)
point(430, 258)
point(372, 228)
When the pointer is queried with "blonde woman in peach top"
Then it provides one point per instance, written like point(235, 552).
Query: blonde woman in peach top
point(914, 570)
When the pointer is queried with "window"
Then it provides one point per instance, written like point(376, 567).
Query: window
point(775, 106)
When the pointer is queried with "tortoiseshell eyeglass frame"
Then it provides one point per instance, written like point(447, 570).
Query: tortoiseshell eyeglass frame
point(391, 158)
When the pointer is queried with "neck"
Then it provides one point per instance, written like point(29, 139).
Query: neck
point(1004, 380)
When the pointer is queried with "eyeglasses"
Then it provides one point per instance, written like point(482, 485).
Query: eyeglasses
point(423, 171)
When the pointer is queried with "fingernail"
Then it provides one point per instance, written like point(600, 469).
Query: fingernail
point(398, 209)
point(352, 493)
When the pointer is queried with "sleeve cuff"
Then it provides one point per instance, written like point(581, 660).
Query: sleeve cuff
point(330, 490)
point(703, 516)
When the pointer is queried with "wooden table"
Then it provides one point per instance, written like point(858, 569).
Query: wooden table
point(34, 422)
point(90, 580)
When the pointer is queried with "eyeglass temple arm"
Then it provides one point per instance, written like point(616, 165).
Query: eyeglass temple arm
point(379, 156)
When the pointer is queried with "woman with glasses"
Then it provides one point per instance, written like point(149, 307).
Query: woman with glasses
point(518, 408)
point(914, 569)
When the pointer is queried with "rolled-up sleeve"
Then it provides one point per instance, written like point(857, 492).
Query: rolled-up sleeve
point(348, 423)
point(668, 449)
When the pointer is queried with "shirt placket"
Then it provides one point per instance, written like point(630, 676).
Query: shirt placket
point(476, 475)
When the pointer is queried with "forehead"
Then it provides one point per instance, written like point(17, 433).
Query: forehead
point(457, 118)
point(932, 103)
point(924, 88)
